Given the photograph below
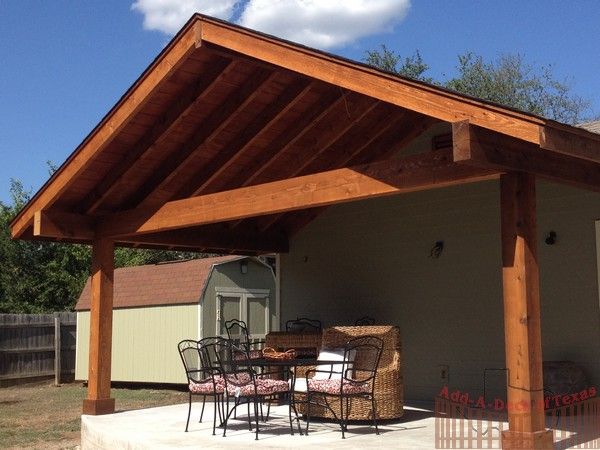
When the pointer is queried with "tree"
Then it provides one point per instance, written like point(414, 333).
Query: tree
point(37, 277)
point(390, 61)
point(509, 81)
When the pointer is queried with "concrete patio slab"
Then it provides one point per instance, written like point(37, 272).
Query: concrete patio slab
point(163, 427)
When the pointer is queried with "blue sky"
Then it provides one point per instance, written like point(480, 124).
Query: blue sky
point(65, 63)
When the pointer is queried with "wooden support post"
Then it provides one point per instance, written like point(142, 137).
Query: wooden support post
point(57, 354)
point(98, 400)
point(522, 324)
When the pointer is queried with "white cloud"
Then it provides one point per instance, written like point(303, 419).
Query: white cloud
point(316, 23)
point(324, 23)
point(169, 16)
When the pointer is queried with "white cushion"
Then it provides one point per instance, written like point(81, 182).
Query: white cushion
point(300, 385)
point(326, 354)
point(332, 354)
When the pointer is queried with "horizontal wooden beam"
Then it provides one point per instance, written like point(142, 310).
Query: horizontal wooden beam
point(483, 148)
point(62, 225)
point(423, 171)
point(80, 228)
point(120, 115)
point(215, 238)
point(575, 142)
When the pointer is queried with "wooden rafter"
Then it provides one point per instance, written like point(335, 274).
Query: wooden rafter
point(483, 148)
point(217, 122)
point(232, 152)
point(292, 135)
point(424, 171)
point(418, 97)
point(330, 136)
point(154, 137)
point(381, 144)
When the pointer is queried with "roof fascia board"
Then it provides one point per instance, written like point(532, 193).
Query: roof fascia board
point(419, 97)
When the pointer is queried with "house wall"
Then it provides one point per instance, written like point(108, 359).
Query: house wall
point(373, 258)
point(144, 345)
point(258, 277)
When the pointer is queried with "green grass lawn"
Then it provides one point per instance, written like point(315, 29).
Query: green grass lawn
point(42, 415)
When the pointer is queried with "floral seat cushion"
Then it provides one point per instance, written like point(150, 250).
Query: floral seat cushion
point(207, 387)
point(264, 386)
point(252, 354)
point(332, 386)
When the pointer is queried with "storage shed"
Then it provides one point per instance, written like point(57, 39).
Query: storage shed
point(158, 305)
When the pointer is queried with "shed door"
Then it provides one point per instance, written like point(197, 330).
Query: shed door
point(229, 307)
point(250, 306)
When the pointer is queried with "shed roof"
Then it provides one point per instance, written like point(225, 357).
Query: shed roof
point(172, 283)
point(233, 140)
point(593, 126)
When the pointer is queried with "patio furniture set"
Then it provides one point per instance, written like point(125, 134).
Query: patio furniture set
point(342, 373)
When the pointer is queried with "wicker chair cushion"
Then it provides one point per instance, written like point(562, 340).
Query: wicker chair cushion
point(333, 387)
point(264, 386)
point(238, 379)
point(207, 387)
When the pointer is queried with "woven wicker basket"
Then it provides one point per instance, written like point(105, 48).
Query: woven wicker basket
point(299, 341)
point(389, 388)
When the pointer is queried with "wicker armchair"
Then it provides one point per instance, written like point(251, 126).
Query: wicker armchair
point(389, 388)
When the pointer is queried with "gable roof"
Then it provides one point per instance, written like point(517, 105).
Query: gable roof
point(224, 114)
point(172, 283)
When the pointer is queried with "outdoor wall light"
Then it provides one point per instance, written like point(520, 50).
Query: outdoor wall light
point(551, 238)
point(437, 249)
point(244, 266)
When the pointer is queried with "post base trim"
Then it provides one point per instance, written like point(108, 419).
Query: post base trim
point(99, 406)
point(519, 440)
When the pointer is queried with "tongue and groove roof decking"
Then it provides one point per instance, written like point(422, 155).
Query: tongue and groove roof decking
point(224, 108)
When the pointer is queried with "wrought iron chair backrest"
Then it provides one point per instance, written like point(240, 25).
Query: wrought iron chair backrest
point(210, 349)
point(192, 361)
point(233, 363)
point(303, 324)
point(237, 331)
point(366, 320)
point(361, 358)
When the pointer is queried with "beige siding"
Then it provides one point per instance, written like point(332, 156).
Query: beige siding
point(372, 258)
point(144, 343)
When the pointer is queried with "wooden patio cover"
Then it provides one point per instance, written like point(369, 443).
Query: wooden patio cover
point(232, 141)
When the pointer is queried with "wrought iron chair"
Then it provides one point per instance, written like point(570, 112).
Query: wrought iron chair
point(203, 376)
point(303, 324)
point(365, 321)
point(245, 386)
point(353, 378)
point(237, 331)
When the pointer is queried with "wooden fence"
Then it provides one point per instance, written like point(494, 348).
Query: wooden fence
point(37, 346)
point(461, 426)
